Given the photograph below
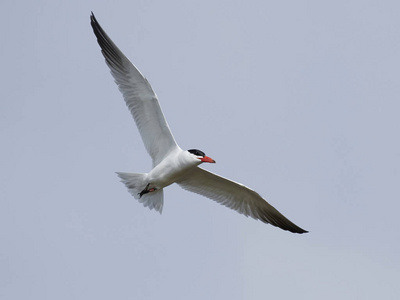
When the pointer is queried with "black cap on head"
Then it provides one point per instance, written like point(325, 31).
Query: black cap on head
point(197, 152)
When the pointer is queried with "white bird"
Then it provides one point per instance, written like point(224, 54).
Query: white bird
point(171, 164)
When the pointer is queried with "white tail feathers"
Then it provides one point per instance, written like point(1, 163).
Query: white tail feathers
point(136, 182)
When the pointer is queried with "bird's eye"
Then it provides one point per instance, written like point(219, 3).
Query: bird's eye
point(197, 152)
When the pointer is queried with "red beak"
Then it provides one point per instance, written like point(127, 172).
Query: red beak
point(207, 159)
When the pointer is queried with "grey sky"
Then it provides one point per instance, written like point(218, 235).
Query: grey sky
point(298, 100)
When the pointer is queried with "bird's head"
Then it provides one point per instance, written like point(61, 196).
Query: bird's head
point(201, 156)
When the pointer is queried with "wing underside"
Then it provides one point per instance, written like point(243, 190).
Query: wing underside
point(139, 97)
point(237, 197)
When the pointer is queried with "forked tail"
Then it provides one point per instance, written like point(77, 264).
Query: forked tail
point(136, 183)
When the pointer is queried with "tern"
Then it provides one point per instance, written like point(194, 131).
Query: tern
point(171, 164)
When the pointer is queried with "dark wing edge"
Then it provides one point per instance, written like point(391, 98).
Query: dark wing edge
point(138, 95)
point(237, 197)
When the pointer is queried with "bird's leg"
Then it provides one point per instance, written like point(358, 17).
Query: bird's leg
point(146, 190)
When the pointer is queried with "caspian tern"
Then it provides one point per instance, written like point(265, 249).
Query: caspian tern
point(171, 164)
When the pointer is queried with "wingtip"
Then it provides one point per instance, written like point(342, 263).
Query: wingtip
point(297, 230)
point(92, 18)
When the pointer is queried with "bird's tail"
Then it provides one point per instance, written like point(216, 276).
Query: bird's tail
point(136, 183)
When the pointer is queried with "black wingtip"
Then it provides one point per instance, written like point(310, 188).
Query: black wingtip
point(92, 18)
point(296, 229)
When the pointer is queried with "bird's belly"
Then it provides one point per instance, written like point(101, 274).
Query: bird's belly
point(164, 175)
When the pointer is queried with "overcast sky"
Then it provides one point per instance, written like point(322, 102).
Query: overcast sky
point(297, 99)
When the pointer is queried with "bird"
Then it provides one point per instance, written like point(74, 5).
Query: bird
point(171, 164)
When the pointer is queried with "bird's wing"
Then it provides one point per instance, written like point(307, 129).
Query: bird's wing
point(139, 97)
point(237, 197)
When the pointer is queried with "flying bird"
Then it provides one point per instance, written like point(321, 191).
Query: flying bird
point(171, 164)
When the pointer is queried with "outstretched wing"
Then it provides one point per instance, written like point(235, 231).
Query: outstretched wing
point(139, 97)
point(237, 197)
